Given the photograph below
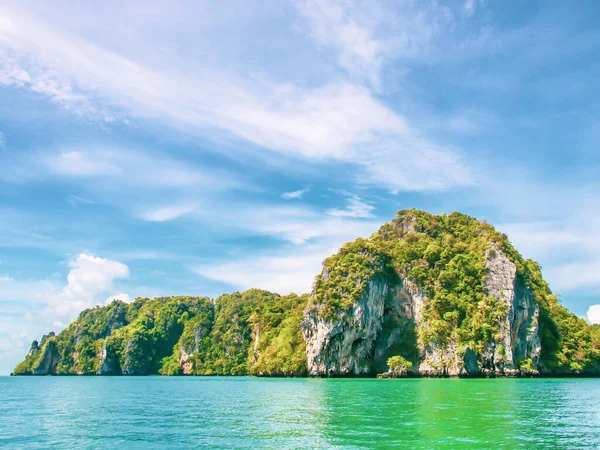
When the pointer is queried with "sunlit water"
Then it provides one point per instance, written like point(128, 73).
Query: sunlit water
point(223, 412)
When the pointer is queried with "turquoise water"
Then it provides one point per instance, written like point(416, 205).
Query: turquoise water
point(223, 412)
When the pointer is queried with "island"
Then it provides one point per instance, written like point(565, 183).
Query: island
point(425, 296)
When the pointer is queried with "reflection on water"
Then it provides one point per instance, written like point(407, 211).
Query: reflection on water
point(215, 412)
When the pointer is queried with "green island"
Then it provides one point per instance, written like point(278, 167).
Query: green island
point(426, 295)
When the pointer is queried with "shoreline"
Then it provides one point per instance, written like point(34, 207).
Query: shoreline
point(375, 377)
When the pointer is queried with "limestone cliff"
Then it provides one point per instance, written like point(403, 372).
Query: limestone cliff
point(473, 314)
point(344, 346)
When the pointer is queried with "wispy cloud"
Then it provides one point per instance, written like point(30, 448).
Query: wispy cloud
point(283, 274)
point(468, 122)
point(289, 269)
point(366, 36)
point(294, 195)
point(167, 213)
point(355, 208)
point(46, 81)
point(567, 249)
point(470, 6)
point(292, 268)
point(2, 140)
point(77, 163)
point(76, 201)
point(131, 168)
point(574, 276)
point(359, 52)
point(336, 121)
point(298, 225)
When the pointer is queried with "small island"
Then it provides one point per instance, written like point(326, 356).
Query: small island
point(426, 295)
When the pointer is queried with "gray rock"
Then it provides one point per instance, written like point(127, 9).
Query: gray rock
point(108, 361)
point(520, 331)
point(343, 346)
point(49, 360)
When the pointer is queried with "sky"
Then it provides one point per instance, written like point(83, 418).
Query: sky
point(200, 147)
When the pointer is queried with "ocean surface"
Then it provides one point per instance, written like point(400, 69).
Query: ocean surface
point(240, 412)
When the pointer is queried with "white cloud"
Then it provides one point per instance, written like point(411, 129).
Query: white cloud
point(356, 208)
point(120, 296)
point(337, 121)
point(410, 164)
point(367, 35)
point(572, 276)
point(2, 140)
point(77, 163)
point(292, 269)
point(281, 274)
point(359, 52)
point(470, 6)
point(593, 314)
point(89, 278)
point(133, 168)
point(297, 225)
point(566, 248)
point(46, 306)
point(11, 290)
point(548, 240)
point(168, 212)
point(49, 82)
point(293, 195)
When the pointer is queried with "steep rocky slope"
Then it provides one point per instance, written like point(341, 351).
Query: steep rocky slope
point(429, 295)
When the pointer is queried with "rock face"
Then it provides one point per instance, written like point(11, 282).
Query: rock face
point(343, 346)
point(108, 361)
point(387, 318)
point(520, 331)
point(191, 346)
point(49, 359)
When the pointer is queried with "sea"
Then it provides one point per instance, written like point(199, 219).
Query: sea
point(278, 413)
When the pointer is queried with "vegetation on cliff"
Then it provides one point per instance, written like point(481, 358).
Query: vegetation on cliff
point(148, 336)
point(253, 332)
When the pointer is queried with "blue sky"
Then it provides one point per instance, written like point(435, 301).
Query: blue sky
point(165, 148)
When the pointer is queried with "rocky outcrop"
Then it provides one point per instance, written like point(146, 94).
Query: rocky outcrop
point(35, 347)
point(520, 337)
point(191, 346)
point(49, 359)
point(108, 361)
point(386, 319)
point(116, 320)
point(186, 365)
point(344, 346)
